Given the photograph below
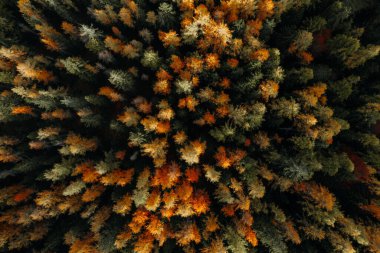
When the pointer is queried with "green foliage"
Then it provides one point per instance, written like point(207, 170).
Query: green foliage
point(315, 24)
point(7, 24)
point(121, 79)
point(60, 170)
point(342, 89)
point(338, 13)
point(76, 66)
point(270, 236)
point(6, 77)
point(302, 142)
point(285, 108)
point(183, 86)
point(248, 118)
point(150, 59)
point(74, 188)
point(303, 40)
point(343, 46)
point(362, 55)
point(108, 164)
point(166, 15)
point(235, 242)
point(301, 75)
point(301, 168)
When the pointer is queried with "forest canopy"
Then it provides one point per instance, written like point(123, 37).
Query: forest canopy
point(211, 126)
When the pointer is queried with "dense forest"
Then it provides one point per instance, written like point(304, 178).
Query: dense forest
point(186, 126)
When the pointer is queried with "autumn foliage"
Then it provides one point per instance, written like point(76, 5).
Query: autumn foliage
point(228, 126)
